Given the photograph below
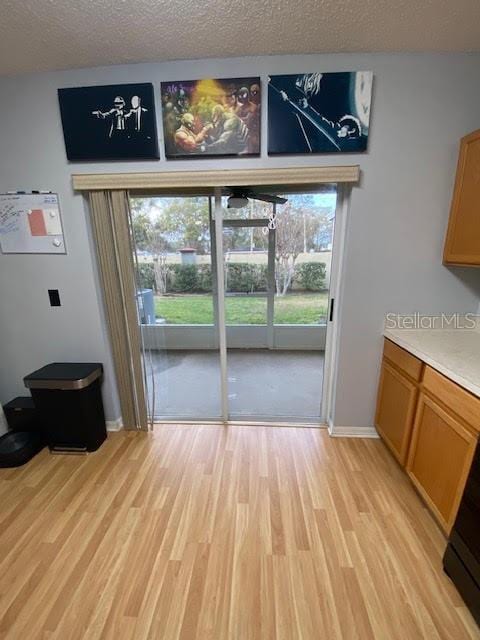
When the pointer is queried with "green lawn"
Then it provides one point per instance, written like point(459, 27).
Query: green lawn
point(302, 308)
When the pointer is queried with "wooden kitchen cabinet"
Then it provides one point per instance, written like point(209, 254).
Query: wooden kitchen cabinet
point(431, 425)
point(462, 244)
point(397, 397)
point(440, 457)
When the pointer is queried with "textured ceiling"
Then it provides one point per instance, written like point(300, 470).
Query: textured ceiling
point(38, 35)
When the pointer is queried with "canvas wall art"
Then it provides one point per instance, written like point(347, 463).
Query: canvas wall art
point(319, 112)
point(211, 117)
point(113, 122)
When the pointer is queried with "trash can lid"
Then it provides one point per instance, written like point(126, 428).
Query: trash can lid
point(64, 375)
point(20, 402)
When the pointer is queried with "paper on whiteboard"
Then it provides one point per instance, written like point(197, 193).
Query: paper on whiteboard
point(31, 223)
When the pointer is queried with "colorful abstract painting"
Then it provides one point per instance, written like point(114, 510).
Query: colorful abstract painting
point(211, 117)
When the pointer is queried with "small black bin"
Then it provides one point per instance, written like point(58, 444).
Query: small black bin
point(68, 398)
point(18, 447)
point(21, 414)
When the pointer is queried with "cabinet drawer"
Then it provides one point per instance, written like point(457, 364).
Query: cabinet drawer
point(461, 402)
point(403, 360)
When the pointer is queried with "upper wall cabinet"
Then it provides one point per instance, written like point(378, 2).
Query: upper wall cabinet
point(462, 244)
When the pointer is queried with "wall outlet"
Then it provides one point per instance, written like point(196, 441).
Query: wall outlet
point(54, 296)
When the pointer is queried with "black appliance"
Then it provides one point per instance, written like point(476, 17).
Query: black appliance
point(69, 400)
point(21, 414)
point(18, 447)
point(462, 557)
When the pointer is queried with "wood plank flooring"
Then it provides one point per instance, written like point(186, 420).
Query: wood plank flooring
point(212, 533)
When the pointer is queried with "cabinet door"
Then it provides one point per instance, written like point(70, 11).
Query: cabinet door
point(440, 457)
point(395, 410)
point(462, 245)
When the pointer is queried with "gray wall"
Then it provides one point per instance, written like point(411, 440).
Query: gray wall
point(422, 105)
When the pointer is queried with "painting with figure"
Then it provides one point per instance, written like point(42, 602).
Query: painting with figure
point(211, 117)
point(319, 112)
point(113, 122)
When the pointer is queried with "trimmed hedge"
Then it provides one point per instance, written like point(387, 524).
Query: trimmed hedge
point(146, 275)
point(189, 278)
point(311, 275)
point(241, 277)
point(204, 278)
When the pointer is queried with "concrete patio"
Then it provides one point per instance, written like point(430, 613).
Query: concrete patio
point(263, 384)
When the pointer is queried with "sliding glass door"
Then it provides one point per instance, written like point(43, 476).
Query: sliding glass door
point(276, 262)
point(253, 348)
point(176, 289)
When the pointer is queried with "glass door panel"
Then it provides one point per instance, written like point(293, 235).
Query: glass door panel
point(176, 280)
point(245, 273)
point(276, 327)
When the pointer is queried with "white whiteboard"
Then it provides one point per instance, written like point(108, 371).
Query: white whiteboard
point(31, 223)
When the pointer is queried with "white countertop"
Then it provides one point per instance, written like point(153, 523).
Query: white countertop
point(453, 352)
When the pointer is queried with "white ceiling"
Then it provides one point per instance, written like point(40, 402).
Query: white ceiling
point(37, 35)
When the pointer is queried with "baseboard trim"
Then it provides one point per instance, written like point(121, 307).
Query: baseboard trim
point(351, 432)
point(333, 430)
point(114, 425)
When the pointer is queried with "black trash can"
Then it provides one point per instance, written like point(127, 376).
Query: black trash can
point(68, 398)
point(21, 414)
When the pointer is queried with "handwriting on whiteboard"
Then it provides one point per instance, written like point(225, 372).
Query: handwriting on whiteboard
point(30, 223)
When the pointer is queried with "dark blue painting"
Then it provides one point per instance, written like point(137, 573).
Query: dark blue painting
point(319, 112)
point(113, 122)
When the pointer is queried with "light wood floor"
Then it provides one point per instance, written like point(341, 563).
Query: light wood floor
point(222, 534)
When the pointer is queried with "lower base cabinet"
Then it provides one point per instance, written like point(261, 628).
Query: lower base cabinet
point(431, 425)
point(397, 399)
point(439, 460)
point(395, 410)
